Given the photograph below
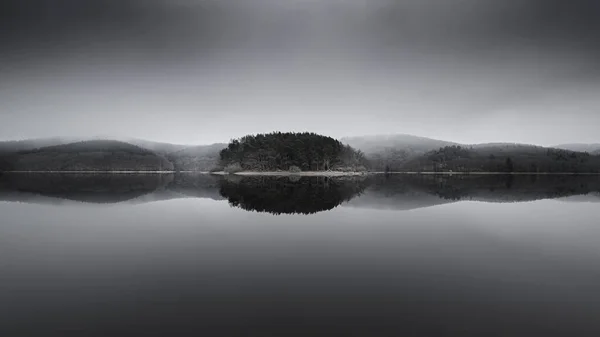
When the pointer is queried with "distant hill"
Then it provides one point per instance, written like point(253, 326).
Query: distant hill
point(96, 155)
point(20, 154)
point(31, 144)
point(156, 147)
point(580, 147)
point(393, 150)
point(503, 158)
point(410, 153)
point(196, 158)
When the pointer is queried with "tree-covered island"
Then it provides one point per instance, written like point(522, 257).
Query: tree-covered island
point(289, 151)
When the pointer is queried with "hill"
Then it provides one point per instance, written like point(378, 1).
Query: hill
point(197, 158)
point(410, 153)
point(291, 151)
point(31, 144)
point(503, 158)
point(96, 155)
point(387, 151)
point(156, 147)
point(580, 147)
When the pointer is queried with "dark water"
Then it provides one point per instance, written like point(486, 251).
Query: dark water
point(195, 255)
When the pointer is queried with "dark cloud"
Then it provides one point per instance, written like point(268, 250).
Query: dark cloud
point(181, 25)
point(417, 66)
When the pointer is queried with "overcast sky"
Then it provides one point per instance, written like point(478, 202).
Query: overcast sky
point(203, 71)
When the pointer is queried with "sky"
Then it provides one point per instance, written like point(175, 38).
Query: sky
point(205, 71)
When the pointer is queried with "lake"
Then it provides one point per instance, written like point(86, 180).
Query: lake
point(197, 255)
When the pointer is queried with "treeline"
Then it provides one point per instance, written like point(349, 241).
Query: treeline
point(503, 159)
point(291, 151)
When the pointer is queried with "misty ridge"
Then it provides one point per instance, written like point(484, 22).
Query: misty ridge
point(297, 153)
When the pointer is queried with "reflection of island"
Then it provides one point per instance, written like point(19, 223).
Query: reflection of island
point(404, 192)
point(290, 196)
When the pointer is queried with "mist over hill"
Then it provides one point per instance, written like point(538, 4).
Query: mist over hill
point(156, 147)
point(197, 158)
point(411, 153)
point(31, 144)
point(393, 150)
point(580, 147)
point(95, 155)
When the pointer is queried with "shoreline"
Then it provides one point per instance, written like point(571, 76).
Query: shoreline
point(345, 174)
point(94, 172)
point(307, 173)
point(292, 174)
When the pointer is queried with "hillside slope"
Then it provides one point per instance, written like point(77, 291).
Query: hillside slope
point(581, 147)
point(96, 155)
point(14, 146)
point(156, 147)
point(392, 151)
point(196, 158)
point(504, 158)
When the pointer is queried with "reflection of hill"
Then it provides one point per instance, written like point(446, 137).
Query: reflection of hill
point(304, 195)
point(403, 192)
point(282, 195)
point(106, 188)
point(512, 188)
point(591, 197)
point(92, 188)
point(196, 186)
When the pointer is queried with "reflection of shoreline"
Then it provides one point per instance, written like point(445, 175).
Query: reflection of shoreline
point(294, 174)
point(395, 191)
point(406, 192)
point(315, 173)
point(495, 173)
point(92, 172)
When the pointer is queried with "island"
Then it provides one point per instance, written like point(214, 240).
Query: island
point(285, 153)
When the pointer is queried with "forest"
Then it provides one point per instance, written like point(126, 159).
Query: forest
point(291, 152)
point(516, 158)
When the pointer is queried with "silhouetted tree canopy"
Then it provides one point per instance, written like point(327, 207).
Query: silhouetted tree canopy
point(281, 151)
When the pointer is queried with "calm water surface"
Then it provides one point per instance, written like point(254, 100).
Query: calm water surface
point(195, 255)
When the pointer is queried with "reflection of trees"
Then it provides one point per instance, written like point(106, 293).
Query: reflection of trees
point(283, 195)
point(93, 188)
point(508, 188)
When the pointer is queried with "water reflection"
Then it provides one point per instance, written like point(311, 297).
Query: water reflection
point(295, 195)
point(90, 188)
point(290, 196)
point(171, 257)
